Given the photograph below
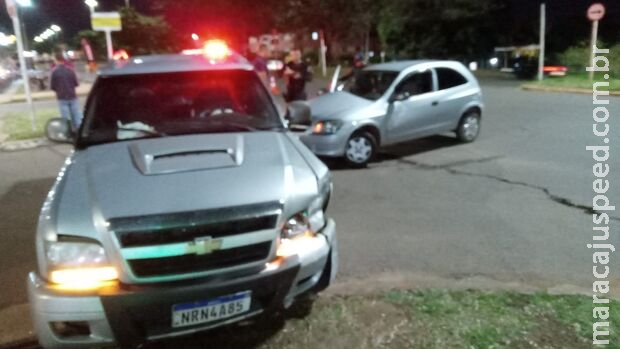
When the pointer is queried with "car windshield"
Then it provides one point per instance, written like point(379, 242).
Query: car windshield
point(370, 84)
point(170, 104)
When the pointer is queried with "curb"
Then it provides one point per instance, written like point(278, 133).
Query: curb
point(531, 87)
point(11, 146)
point(39, 96)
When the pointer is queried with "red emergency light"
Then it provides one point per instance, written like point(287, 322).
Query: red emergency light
point(213, 50)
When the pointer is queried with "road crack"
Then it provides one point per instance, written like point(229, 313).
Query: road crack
point(450, 168)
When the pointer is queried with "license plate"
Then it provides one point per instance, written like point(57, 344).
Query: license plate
point(189, 314)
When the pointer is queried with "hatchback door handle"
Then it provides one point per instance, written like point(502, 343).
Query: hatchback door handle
point(435, 103)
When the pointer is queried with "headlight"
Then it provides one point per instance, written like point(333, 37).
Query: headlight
point(296, 226)
point(326, 127)
point(78, 265)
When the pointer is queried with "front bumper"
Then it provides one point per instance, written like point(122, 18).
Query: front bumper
point(326, 145)
point(130, 315)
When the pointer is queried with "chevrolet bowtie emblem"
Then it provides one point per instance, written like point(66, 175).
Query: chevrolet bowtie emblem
point(202, 246)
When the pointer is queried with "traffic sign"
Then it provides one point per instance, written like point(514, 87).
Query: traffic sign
point(11, 8)
point(106, 21)
point(596, 12)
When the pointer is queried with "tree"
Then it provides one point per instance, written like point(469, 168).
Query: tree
point(143, 34)
point(455, 29)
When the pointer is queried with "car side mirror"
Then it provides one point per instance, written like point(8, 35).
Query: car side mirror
point(59, 130)
point(399, 96)
point(299, 114)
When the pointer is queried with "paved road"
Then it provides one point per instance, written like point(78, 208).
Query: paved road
point(506, 208)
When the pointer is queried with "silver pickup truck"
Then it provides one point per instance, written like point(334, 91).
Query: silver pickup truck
point(186, 205)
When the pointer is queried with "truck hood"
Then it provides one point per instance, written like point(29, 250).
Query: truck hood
point(337, 105)
point(180, 174)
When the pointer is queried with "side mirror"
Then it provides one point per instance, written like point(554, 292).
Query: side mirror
point(299, 114)
point(399, 97)
point(59, 130)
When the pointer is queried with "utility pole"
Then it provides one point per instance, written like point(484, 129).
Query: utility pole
point(541, 56)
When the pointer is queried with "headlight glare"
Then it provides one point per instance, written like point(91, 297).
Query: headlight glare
point(326, 127)
point(78, 265)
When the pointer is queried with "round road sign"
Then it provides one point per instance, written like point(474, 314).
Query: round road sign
point(596, 12)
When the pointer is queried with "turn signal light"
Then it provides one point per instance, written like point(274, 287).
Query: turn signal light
point(83, 278)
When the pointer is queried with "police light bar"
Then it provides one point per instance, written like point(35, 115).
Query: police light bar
point(216, 50)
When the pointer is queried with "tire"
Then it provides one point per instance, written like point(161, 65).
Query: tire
point(360, 149)
point(469, 127)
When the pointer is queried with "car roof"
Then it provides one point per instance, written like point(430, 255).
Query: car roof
point(399, 66)
point(170, 63)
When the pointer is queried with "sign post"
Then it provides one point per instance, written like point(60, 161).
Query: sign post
point(596, 12)
point(323, 53)
point(107, 22)
point(11, 8)
point(541, 55)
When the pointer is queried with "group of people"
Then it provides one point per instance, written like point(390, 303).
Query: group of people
point(296, 73)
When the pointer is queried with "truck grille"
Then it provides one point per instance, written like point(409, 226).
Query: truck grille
point(145, 232)
point(196, 263)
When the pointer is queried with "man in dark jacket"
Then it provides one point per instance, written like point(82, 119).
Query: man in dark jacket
point(63, 82)
point(296, 72)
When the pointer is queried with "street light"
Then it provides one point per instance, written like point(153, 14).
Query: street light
point(24, 3)
point(55, 28)
point(91, 4)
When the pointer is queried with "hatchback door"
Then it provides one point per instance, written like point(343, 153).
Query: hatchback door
point(412, 107)
point(454, 91)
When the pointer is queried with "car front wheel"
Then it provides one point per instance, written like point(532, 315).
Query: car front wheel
point(469, 127)
point(360, 149)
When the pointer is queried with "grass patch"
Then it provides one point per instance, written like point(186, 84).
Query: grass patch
point(18, 126)
point(425, 319)
point(578, 80)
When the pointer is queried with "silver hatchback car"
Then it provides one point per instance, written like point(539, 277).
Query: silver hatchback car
point(394, 102)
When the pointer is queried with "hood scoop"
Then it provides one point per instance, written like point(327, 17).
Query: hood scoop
point(173, 155)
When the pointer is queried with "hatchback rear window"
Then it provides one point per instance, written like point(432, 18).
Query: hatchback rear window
point(449, 78)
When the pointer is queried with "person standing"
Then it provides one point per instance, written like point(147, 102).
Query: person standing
point(260, 64)
point(63, 82)
point(296, 72)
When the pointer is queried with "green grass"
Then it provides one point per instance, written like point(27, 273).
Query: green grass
point(18, 126)
point(426, 319)
point(578, 80)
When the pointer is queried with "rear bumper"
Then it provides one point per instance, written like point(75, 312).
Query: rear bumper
point(129, 315)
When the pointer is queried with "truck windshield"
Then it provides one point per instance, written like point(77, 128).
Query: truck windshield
point(171, 104)
point(370, 84)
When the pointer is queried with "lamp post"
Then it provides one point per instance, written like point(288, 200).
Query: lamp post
point(13, 10)
point(91, 5)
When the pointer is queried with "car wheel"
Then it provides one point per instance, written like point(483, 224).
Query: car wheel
point(469, 127)
point(360, 149)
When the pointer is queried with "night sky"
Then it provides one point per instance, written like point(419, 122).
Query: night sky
point(72, 16)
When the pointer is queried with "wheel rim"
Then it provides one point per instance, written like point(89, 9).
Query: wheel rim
point(471, 126)
point(359, 149)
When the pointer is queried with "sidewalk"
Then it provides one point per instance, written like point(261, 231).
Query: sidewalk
point(82, 90)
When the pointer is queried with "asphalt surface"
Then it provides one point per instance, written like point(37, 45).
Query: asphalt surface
point(509, 208)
